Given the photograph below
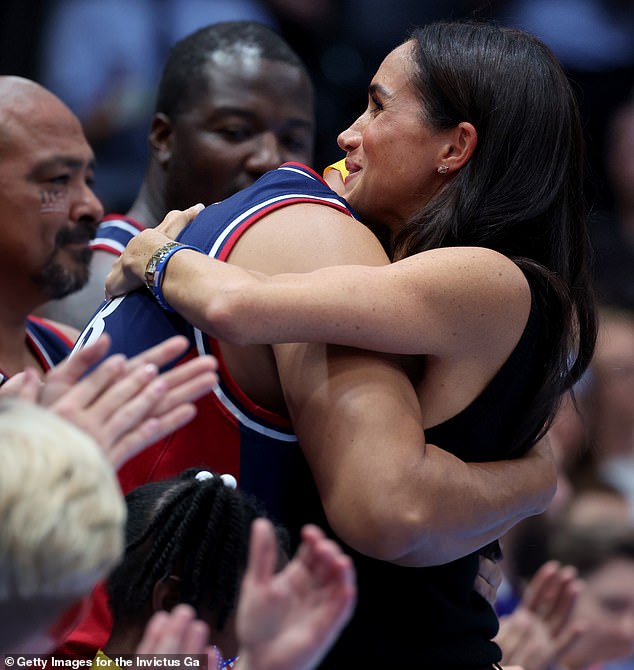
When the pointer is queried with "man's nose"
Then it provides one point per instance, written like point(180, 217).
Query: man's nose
point(86, 206)
point(266, 154)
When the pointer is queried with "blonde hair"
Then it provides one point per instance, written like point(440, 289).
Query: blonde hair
point(62, 513)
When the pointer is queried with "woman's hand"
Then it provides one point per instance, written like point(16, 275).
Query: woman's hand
point(128, 271)
point(489, 578)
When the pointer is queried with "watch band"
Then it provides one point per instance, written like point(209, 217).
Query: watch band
point(160, 253)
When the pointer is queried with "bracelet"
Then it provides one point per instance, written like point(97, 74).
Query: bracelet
point(155, 268)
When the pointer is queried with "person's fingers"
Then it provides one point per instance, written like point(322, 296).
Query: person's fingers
point(148, 432)
point(488, 579)
point(122, 407)
point(25, 385)
point(161, 354)
point(195, 639)
point(174, 630)
point(31, 386)
point(564, 606)
point(153, 632)
point(550, 595)
point(485, 589)
point(187, 382)
point(326, 566)
point(127, 411)
point(176, 220)
point(567, 640)
point(491, 570)
point(63, 377)
point(118, 282)
point(122, 397)
point(73, 367)
point(262, 551)
point(213, 657)
point(331, 571)
point(539, 585)
point(92, 388)
point(514, 629)
point(107, 409)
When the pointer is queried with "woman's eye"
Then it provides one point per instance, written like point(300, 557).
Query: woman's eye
point(375, 105)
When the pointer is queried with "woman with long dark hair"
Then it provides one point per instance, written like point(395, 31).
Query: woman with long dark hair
point(468, 163)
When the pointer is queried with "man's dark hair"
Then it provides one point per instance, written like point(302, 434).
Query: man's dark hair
point(185, 78)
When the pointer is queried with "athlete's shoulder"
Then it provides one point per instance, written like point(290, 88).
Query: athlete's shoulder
point(216, 229)
point(114, 232)
point(52, 341)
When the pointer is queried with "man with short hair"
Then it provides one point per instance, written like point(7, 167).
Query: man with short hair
point(234, 102)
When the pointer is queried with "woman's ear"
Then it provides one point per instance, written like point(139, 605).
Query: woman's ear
point(462, 144)
point(166, 593)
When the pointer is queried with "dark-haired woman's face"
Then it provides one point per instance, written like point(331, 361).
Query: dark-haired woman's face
point(392, 155)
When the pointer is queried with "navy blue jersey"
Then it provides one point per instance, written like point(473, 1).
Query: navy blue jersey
point(230, 434)
point(114, 233)
point(47, 343)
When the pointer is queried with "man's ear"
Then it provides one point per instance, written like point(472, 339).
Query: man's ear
point(166, 593)
point(463, 140)
point(161, 137)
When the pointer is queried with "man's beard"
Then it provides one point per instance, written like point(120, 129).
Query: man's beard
point(58, 280)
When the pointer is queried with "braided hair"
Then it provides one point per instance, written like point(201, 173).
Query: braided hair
point(196, 529)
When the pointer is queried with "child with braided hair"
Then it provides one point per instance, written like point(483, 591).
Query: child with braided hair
point(187, 541)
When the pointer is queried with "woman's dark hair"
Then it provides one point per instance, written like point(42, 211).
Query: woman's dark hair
point(522, 191)
point(196, 530)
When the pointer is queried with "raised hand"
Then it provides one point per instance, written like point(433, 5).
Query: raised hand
point(288, 620)
point(540, 630)
point(128, 270)
point(125, 405)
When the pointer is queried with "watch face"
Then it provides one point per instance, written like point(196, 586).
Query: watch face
point(159, 255)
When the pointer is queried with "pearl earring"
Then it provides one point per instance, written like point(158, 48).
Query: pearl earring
point(443, 169)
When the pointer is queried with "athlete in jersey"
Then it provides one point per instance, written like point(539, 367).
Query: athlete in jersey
point(230, 433)
point(425, 609)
